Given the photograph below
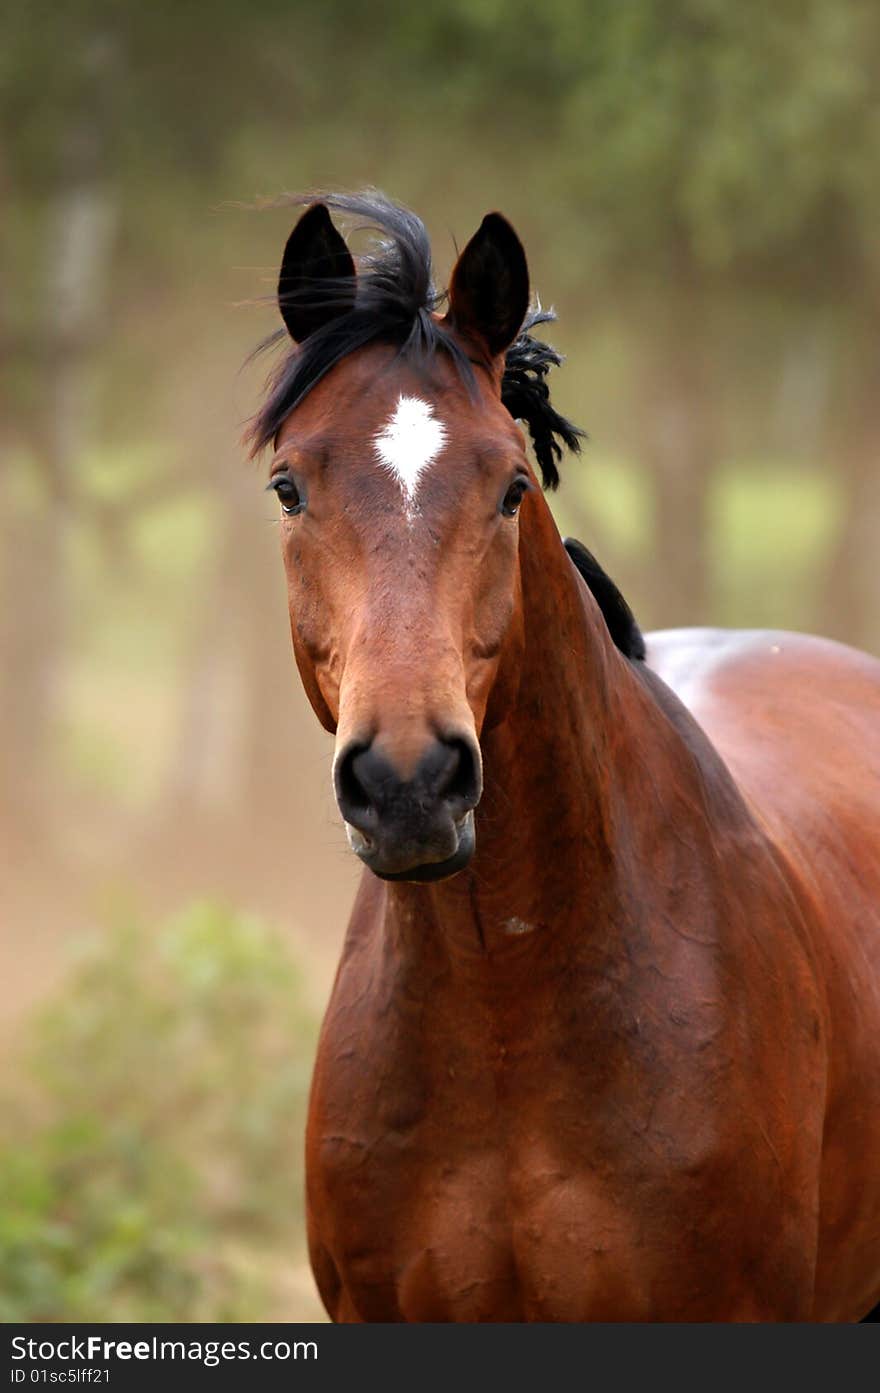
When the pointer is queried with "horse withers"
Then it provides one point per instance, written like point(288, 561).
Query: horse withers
point(604, 1042)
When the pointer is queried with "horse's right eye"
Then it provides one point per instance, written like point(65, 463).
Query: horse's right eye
point(288, 495)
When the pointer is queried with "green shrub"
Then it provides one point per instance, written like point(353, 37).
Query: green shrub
point(152, 1163)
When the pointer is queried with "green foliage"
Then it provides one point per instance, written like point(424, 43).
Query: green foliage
point(163, 1151)
point(741, 127)
point(721, 131)
point(773, 528)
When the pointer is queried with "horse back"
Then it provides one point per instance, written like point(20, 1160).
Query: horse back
point(797, 721)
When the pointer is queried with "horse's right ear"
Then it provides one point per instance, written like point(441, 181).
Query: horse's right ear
point(317, 278)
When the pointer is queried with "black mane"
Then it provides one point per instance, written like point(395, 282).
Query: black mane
point(395, 302)
point(618, 616)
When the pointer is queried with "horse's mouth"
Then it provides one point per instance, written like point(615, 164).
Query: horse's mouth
point(384, 863)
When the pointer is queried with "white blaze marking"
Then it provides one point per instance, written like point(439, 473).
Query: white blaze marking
point(411, 440)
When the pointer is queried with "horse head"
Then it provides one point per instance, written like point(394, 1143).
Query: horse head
point(402, 477)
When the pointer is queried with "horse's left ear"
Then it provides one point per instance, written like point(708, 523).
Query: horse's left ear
point(316, 282)
point(489, 290)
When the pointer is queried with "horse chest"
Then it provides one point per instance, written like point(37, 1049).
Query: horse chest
point(463, 1240)
point(456, 1222)
point(584, 1166)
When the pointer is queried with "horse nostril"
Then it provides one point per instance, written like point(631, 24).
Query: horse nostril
point(352, 785)
point(460, 784)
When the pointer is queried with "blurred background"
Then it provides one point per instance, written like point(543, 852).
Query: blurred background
point(696, 185)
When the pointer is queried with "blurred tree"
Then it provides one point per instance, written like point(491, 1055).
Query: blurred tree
point(734, 147)
point(88, 144)
point(54, 339)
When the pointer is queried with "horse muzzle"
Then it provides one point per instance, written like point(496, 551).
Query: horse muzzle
point(419, 828)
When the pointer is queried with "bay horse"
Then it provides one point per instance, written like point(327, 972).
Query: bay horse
point(604, 1041)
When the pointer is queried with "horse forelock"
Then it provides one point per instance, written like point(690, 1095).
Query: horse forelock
point(397, 302)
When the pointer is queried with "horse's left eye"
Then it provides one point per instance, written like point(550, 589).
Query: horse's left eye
point(513, 497)
point(288, 495)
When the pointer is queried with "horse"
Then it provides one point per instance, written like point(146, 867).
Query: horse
point(604, 1039)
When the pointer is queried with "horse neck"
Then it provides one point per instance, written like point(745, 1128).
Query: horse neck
point(554, 825)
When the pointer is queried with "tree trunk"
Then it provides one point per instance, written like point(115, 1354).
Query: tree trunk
point(677, 430)
point(851, 600)
point(40, 515)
